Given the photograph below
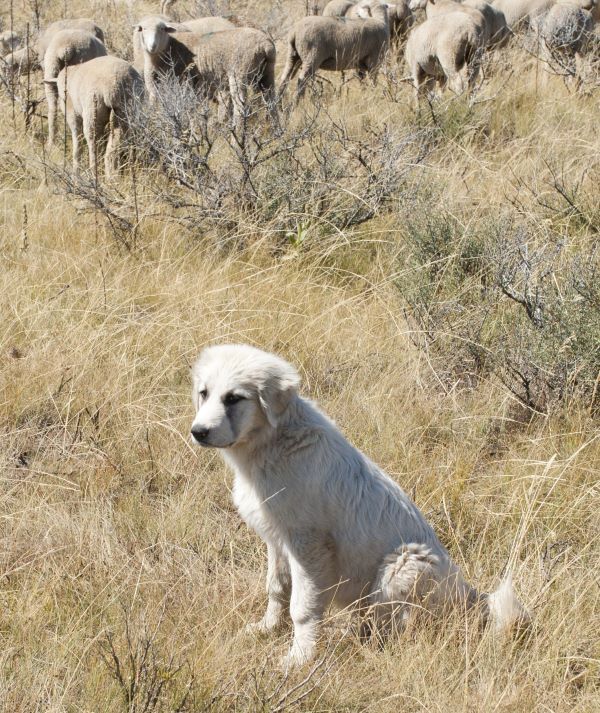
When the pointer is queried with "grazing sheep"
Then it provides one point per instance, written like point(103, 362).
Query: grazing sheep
point(9, 42)
point(521, 14)
point(336, 44)
point(341, 8)
point(564, 33)
point(165, 6)
point(401, 19)
point(82, 23)
point(498, 32)
point(66, 48)
point(433, 8)
point(95, 97)
point(22, 61)
point(444, 49)
point(400, 16)
point(200, 25)
point(231, 60)
point(315, 7)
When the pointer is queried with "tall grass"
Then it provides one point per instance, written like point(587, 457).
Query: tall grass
point(127, 577)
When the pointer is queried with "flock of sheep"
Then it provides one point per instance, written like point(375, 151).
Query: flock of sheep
point(224, 60)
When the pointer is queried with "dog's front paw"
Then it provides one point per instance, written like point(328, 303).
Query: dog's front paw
point(261, 628)
point(296, 657)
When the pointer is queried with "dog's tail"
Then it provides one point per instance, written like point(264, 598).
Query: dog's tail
point(504, 611)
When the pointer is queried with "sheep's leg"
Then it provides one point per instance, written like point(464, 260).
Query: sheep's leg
point(75, 124)
point(239, 98)
point(458, 80)
point(372, 69)
point(306, 74)
point(225, 107)
point(266, 85)
point(423, 84)
point(112, 157)
point(291, 68)
point(52, 100)
point(94, 129)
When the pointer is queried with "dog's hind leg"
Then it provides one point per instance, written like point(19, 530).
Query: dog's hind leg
point(413, 578)
point(279, 586)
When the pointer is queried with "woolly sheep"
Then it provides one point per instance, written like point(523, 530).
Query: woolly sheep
point(219, 62)
point(444, 49)
point(498, 32)
point(9, 42)
point(336, 44)
point(165, 6)
point(341, 8)
point(21, 61)
point(564, 33)
point(82, 23)
point(29, 59)
point(315, 7)
point(433, 8)
point(96, 97)
point(66, 48)
point(522, 13)
point(200, 25)
point(400, 16)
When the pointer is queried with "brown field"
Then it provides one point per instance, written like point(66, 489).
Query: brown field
point(126, 574)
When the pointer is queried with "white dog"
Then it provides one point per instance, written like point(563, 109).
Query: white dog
point(338, 530)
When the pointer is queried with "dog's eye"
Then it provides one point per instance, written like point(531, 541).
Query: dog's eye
point(203, 394)
point(232, 398)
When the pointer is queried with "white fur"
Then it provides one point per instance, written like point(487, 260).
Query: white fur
point(338, 530)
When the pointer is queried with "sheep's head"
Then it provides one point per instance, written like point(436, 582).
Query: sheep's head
point(372, 8)
point(154, 34)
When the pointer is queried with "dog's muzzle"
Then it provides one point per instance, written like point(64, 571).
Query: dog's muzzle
point(199, 435)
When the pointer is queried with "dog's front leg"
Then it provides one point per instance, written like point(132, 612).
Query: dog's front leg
point(278, 591)
point(310, 597)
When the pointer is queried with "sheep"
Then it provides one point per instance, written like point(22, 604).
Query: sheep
point(66, 48)
point(165, 6)
point(434, 8)
point(498, 32)
point(315, 7)
point(521, 14)
point(9, 42)
point(22, 61)
point(82, 23)
point(200, 25)
point(96, 96)
point(564, 33)
point(336, 44)
point(444, 49)
point(230, 60)
point(341, 8)
point(400, 16)
point(401, 19)
point(29, 59)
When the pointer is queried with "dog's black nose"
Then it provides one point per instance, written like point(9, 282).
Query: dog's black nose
point(199, 433)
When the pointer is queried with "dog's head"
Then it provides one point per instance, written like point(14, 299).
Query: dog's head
point(237, 392)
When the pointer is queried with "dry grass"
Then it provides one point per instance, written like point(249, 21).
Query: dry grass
point(126, 574)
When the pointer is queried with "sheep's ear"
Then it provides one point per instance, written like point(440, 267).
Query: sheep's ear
point(278, 391)
point(172, 28)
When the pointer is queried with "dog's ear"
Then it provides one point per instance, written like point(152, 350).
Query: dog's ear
point(278, 390)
